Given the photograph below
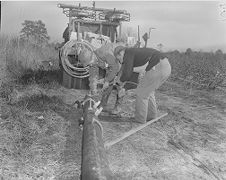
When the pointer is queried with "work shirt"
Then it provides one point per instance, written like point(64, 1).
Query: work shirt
point(105, 54)
point(136, 57)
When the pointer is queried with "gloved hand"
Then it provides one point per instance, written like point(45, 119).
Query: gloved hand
point(106, 65)
point(106, 84)
point(101, 81)
point(118, 82)
point(122, 92)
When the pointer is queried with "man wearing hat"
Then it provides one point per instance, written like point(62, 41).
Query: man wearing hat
point(157, 69)
point(106, 60)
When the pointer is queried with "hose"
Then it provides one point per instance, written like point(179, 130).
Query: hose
point(75, 70)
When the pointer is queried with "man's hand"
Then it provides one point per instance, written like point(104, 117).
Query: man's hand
point(106, 84)
point(120, 83)
point(106, 65)
point(122, 92)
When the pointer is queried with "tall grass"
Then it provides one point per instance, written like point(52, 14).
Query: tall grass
point(20, 57)
point(3, 44)
point(31, 142)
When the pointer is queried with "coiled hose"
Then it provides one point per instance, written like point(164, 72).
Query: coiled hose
point(74, 47)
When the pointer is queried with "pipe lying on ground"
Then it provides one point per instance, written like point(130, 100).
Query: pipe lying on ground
point(95, 165)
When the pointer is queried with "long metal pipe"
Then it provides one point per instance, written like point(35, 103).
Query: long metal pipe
point(95, 165)
point(89, 8)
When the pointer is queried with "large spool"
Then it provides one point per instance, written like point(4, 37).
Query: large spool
point(75, 74)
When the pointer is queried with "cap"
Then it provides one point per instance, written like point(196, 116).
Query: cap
point(85, 57)
point(118, 49)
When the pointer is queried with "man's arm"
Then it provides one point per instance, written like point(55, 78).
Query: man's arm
point(127, 67)
point(113, 68)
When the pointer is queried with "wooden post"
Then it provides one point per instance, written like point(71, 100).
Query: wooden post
point(138, 36)
point(95, 164)
point(101, 29)
point(78, 31)
point(71, 24)
point(120, 30)
point(0, 14)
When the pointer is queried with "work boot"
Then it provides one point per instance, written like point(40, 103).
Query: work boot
point(134, 120)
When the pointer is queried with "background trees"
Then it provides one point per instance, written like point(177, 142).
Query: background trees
point(34, 31)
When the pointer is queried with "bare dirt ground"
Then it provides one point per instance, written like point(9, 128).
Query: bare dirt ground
point(188, 144)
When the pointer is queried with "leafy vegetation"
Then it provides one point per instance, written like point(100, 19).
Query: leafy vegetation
point(201, 67)
point(34, 31)
point(26, 62)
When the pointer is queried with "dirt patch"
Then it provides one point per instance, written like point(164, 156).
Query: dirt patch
point(189, 143)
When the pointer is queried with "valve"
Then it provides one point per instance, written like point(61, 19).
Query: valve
point(80, 123)
point(96, 104)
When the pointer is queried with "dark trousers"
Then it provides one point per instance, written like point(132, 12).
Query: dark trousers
point(106, 94)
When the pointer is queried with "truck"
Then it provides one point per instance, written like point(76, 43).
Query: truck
point(94, 25)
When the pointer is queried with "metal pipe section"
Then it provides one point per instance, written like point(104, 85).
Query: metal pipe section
point(95, 164)
point(89, 8)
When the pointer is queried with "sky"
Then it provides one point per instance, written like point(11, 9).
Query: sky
point(199, 25)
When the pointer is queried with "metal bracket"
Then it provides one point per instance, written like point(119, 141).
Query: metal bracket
point(90, 105)
point(81, 123)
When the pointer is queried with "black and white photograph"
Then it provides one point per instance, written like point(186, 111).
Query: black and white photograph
point(113, 90)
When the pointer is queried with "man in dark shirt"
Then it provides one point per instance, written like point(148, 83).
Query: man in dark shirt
point(157, 70)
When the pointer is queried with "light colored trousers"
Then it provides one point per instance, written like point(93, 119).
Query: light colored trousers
point(146, 107)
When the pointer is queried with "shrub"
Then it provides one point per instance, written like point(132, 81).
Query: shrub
point(3, 42)
point(22, 57)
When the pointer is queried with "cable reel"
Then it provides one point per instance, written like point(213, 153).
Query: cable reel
point(70, 61)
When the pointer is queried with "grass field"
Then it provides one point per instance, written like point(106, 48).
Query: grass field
point(40, 137)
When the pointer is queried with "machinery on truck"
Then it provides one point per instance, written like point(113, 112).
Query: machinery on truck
point(89, 27)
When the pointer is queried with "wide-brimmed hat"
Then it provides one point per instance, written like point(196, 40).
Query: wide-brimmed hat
point(118, 49)
point(85, 57)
